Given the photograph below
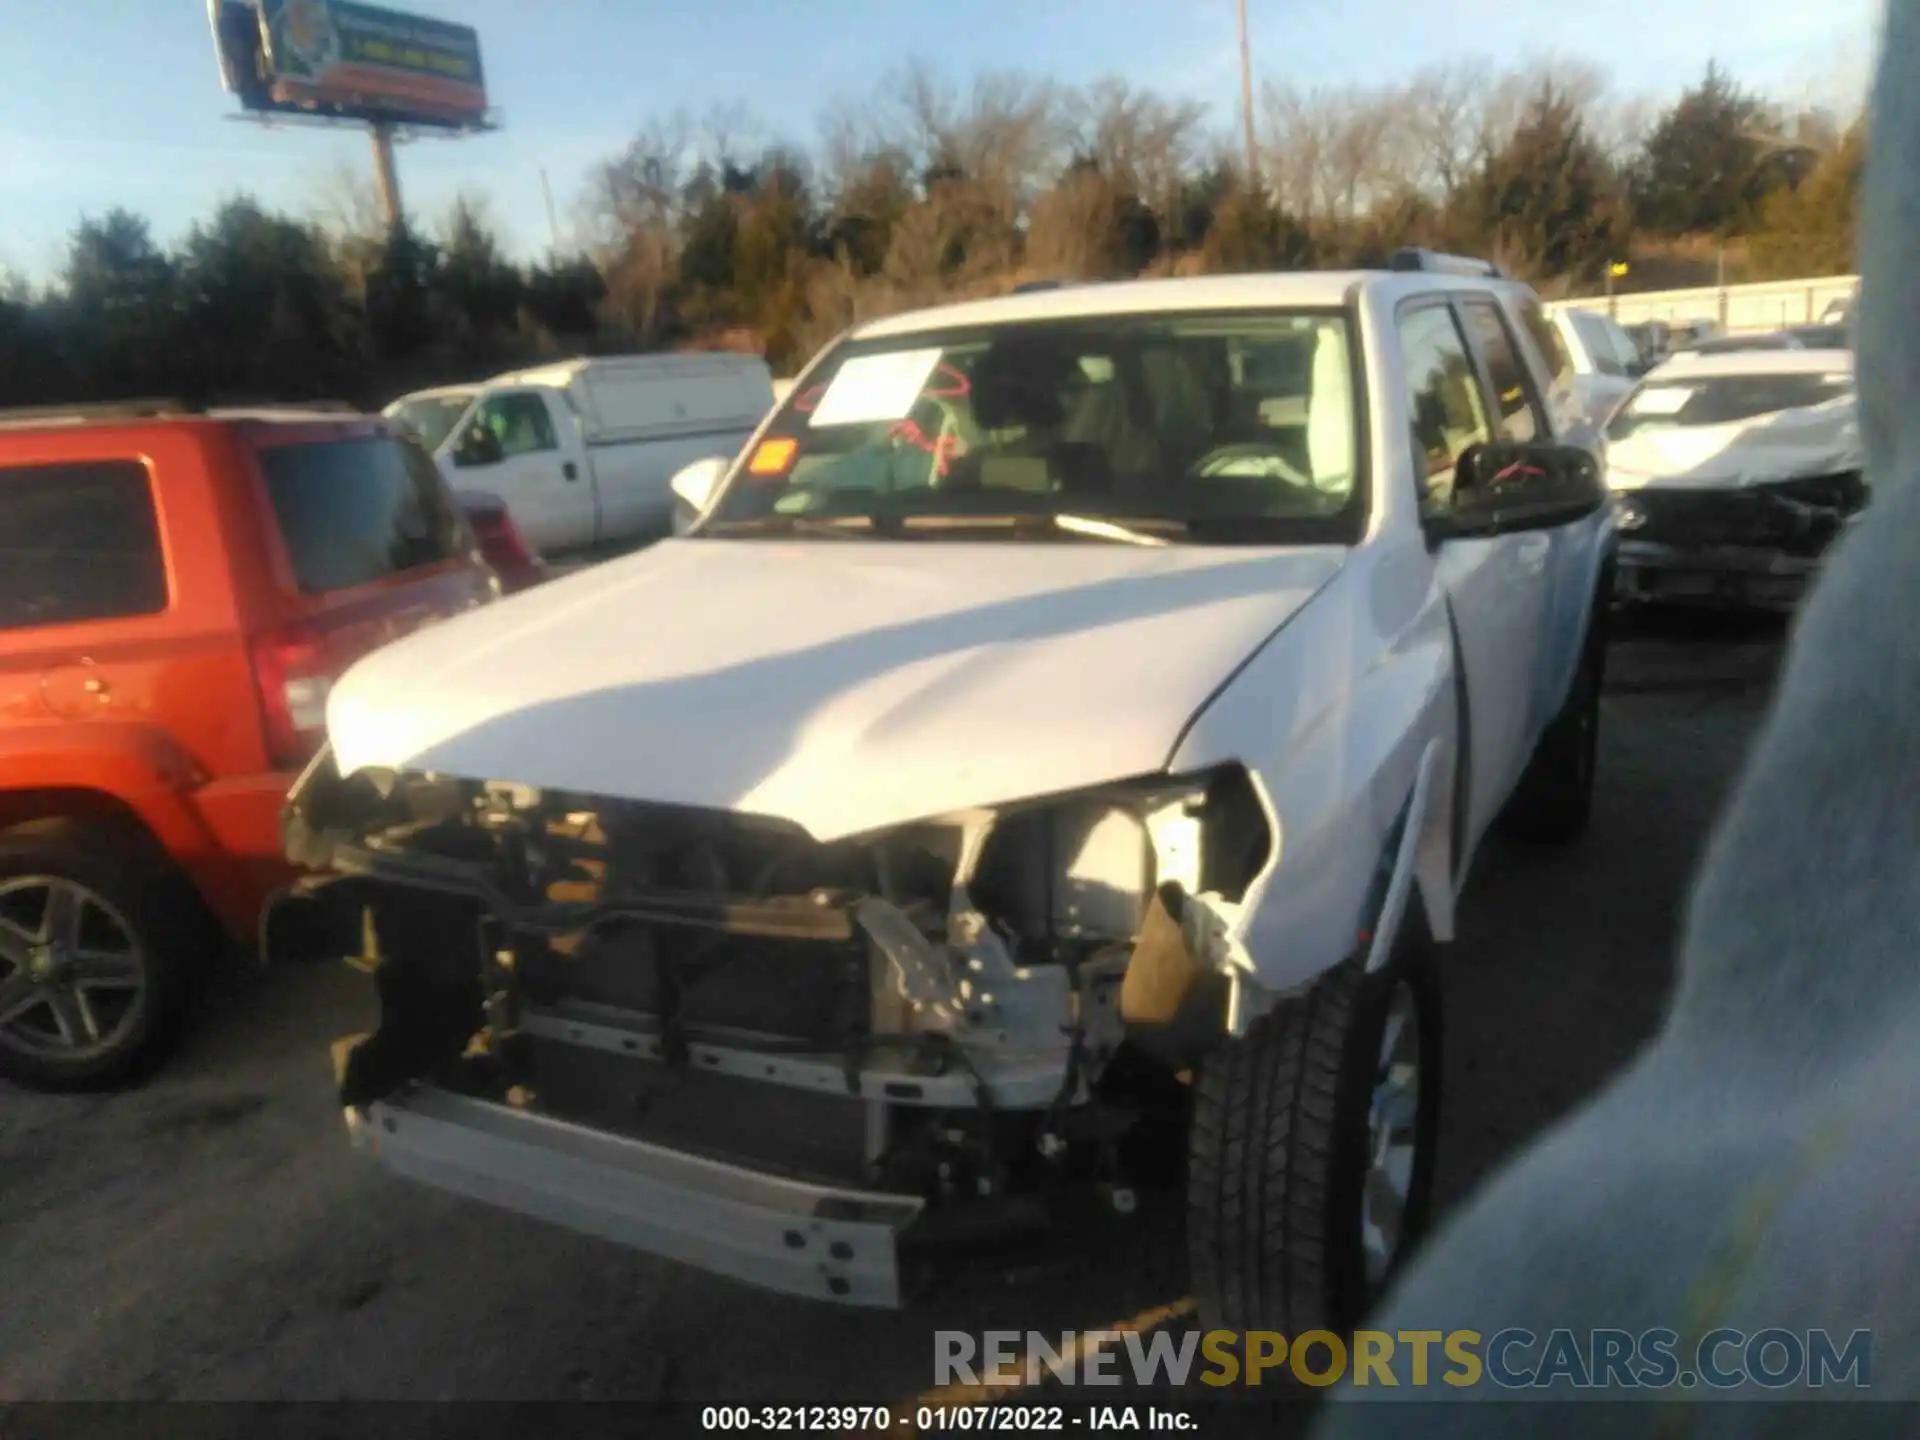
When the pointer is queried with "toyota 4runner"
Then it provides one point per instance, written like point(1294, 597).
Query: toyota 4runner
point(1069, 722)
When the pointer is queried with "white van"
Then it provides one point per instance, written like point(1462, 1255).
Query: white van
point(582, 450)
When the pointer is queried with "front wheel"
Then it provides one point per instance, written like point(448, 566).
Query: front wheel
point(1310, 1162)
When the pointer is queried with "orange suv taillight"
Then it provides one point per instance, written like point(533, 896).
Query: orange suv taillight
point(294, 672)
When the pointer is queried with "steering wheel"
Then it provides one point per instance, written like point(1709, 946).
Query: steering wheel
point(1250, 459)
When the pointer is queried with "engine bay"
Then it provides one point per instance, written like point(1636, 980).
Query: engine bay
point(961, 1009)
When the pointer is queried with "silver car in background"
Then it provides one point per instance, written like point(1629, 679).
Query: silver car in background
point(1733, 473)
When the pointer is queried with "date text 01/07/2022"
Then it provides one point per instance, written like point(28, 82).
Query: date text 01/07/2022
point(935, 1419)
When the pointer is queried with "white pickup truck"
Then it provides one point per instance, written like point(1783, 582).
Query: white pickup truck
point(1087, 708)
point(1601, 362)
point(582, 451)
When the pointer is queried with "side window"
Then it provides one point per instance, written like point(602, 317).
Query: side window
point(1623, 346)
point(1592, 331)
point(521, 424)
point(77, 543)
point(1520, 418)
point(1546, 335)
point(1449, 413)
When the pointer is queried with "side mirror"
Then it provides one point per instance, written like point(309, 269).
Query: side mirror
point(1503, 488)
point(479, 446)
point(694, 485)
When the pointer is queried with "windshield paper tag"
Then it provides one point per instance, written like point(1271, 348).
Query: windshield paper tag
point(1665, 400)
point(872, 388)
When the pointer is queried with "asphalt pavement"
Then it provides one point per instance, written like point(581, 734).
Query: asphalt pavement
point(210, 1236)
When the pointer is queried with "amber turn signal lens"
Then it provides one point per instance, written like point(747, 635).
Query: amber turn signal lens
point(773, 457)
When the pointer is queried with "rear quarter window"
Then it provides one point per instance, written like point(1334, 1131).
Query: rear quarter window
point(78, 542)
point(1599, 345)
point(355, 511)
point(1546, 339)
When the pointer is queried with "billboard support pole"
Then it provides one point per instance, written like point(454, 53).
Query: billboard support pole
point(386, 177)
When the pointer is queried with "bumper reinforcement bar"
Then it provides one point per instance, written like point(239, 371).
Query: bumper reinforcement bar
point(787, 1235)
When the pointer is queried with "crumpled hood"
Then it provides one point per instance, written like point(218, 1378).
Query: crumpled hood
point(1785, 445)
point(844, 685)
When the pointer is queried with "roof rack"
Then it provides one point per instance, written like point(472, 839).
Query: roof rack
point(1412, 257)
point(307, 407)
point(102, 410)
point(1027, 287)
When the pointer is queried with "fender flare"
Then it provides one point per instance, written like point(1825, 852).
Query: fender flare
point(137, 768)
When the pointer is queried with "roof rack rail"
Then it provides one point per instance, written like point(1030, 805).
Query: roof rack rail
point(1412, 257)
point(1028, 287)
point(95, 410)
point(313, 407)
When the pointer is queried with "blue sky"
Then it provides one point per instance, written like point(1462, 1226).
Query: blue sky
point(117, 102)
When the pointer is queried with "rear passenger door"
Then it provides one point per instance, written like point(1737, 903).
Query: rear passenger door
point(1496, 588)
point(84, 592)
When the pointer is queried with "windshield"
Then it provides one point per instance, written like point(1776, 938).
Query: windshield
point(1723, 400)
point(432, 417)
point(1235, 428)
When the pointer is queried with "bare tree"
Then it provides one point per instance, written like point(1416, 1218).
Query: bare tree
point(1073, 232)
point(1295, 147)
point(1580, 82)
point(1006, 136)
point(1440, 118)
point(347, 206)
point(730, 134)
point(644, 185)
point(1620, 125)
point(635, 207)
point(1142, 143)
point(1331, 150)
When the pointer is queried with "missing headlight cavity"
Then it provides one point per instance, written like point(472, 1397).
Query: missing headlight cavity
point(1084, 868)
point(1235, 839)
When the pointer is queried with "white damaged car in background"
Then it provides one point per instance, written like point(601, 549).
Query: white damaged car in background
point(1076, 718)
point(1732, 475)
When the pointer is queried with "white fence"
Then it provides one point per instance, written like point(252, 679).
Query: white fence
point(1735, 309)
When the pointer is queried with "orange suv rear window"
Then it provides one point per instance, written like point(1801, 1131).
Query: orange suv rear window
point(355, 511)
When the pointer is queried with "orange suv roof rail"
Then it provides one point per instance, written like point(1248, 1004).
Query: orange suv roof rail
point(17, 417)
point(105, 410)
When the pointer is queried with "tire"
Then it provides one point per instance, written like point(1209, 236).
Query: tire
point(1280, 1151)
point(1554, 800)
point(105, 1010)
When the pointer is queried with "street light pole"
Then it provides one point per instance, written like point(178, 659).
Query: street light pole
point(1246, 101)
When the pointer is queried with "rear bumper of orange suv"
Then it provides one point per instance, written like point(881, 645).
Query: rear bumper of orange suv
point(247, 862)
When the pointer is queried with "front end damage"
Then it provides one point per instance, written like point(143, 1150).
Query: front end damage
point(804, 1065)
point(1756, 545)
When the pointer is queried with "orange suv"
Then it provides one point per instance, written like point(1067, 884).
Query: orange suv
point(177, 593)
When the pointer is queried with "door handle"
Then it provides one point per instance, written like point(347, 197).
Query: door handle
point(570, 470)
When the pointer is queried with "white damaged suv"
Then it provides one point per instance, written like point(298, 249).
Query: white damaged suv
point(1067, 725)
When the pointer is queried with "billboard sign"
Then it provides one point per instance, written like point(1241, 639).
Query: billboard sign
point(345, 60)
